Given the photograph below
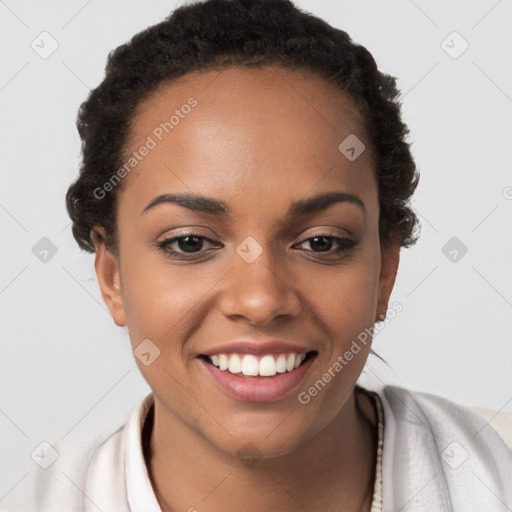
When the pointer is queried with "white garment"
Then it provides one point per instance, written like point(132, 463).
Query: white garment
point(437, 457)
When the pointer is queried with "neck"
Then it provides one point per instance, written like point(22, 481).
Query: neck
point(335, 468)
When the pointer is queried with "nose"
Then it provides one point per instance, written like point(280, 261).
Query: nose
point(259, 291)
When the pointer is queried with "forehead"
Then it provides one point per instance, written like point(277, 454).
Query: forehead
point(256, 131)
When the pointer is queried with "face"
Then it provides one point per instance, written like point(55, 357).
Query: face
point(262, 263)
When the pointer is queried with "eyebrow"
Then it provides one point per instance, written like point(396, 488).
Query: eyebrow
point(213, 206)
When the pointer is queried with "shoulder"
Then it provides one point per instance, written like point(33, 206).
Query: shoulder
point(438, 451)
point(88, 471)
point(63, 485)
point(481, 429)
point(500, 421)
point(443, 409)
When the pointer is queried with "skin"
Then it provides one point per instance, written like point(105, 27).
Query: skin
point(258, 140)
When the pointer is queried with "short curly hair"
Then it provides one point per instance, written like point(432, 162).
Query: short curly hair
point(215, 34)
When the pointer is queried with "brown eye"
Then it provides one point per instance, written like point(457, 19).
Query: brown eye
point(321, 243)
point(190, 243)
point(324, 243)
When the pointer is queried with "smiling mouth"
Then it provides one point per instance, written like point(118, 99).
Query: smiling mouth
point(264, 366)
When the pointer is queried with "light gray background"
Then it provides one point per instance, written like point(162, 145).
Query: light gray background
point(67, 369)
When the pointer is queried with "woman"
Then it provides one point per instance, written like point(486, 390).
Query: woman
point(245, 186)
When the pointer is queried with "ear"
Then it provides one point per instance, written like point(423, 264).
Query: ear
point(390, 258)
point(107, 272)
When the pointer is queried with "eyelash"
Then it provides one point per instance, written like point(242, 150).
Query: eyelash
point(346, 245)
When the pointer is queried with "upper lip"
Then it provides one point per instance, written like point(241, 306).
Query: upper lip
point(256, 348)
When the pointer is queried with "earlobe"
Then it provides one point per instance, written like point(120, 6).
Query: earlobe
point(390, 258)
point(108, 275)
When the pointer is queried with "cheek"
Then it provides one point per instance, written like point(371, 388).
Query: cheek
point(164, 301)
point(347, 312)
point(347, 297)
point(347, 304)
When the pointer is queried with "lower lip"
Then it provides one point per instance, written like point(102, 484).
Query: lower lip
point(258, 389)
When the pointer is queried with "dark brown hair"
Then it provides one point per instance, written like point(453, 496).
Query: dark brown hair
point(218, 33)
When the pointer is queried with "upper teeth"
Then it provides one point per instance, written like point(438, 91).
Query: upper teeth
point(265, 366)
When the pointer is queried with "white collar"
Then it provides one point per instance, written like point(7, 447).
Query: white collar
point(139, 491)
point(419, 427)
